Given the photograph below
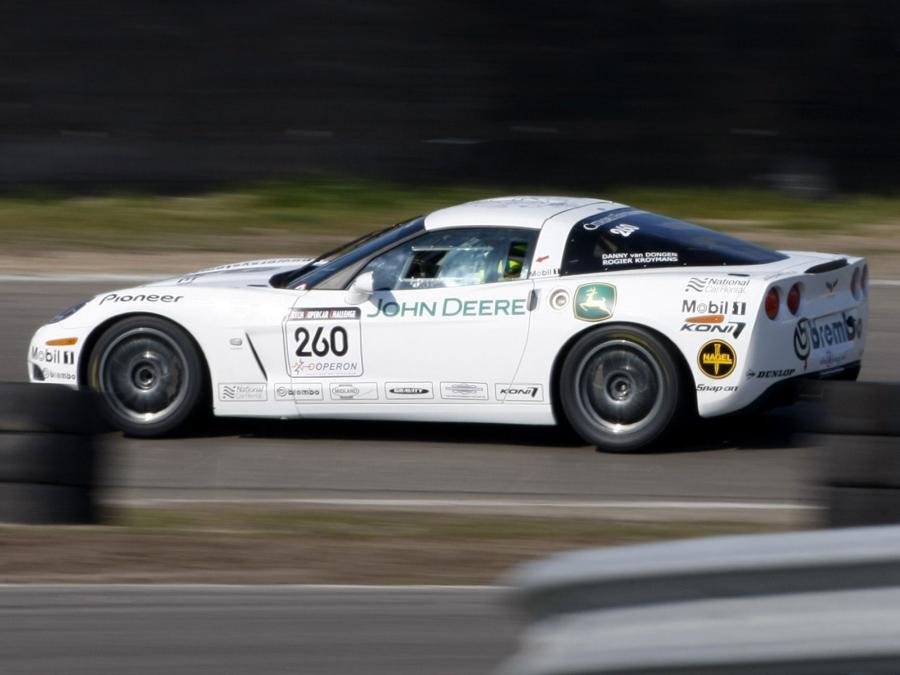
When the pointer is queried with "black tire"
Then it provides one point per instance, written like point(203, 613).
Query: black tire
point(859, 461)
point(639, 393)
point(35, 504)
point(52, 459)
point(49, 408)
point(150, 376)
point(853, 408)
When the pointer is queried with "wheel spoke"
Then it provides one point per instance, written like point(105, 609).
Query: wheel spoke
point(143, 375)
point(620, 386)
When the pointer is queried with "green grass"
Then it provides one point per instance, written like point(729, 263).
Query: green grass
point(421, 527)
point(265, 544)
point(306, 216)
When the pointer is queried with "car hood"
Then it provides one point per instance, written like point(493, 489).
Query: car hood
point(237, 275)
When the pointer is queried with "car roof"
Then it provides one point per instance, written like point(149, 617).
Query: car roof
point(519, 211)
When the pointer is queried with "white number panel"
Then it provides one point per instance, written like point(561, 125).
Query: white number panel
point(323, 342)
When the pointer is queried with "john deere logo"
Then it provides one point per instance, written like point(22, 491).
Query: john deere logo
point(594, 302)
point(717, 359)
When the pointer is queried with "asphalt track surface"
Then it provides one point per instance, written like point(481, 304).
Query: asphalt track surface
point(259, 630)
point(745, 464)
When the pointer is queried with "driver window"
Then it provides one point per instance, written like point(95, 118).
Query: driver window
point(447, 258)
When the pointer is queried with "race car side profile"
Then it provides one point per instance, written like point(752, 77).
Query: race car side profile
point(518, 310)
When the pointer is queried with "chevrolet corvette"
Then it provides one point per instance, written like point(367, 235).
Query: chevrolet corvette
point(518, 310)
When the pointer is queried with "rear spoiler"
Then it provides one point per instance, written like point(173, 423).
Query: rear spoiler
point(829, 266)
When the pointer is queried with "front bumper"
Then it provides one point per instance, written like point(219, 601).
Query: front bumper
point(54, 354)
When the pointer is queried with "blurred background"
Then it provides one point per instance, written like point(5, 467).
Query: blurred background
point(275, 125)
point(801, 94)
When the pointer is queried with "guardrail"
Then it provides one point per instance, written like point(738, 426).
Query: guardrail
point(821, 633)
point(717, 567)
point(824, 601)
point(778, 603)
point(47, 454)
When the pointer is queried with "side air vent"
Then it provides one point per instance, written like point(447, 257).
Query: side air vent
point(829, 266)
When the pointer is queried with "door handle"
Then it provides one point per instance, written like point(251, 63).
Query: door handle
point(532, 300)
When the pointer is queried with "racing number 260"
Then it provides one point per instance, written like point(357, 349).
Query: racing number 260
point(334, 343)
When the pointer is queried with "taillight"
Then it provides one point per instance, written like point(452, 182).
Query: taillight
point(793, 300)
point(772, 298)
point(865, 279)
point(854, 283)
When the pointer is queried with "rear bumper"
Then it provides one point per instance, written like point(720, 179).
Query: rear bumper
point(788, 392)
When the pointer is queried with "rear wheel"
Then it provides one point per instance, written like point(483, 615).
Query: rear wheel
point(150, 375)
point(620, 388)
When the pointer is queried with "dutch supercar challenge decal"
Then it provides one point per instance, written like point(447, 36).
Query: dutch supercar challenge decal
point(594, 302)
point(717, 359)
point(266, 262)
point(323, 342)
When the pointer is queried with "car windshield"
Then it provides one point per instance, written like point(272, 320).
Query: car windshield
point(352, 252)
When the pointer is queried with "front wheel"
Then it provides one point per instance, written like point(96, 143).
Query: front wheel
point(620, 388)
point(149, 374)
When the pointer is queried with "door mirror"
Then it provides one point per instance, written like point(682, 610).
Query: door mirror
point(361, 289)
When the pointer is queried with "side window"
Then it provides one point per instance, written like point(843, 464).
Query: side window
point(463, 257)
point(628, 239)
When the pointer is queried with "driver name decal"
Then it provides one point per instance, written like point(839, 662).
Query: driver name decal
point(639, 258)
point(323, 342)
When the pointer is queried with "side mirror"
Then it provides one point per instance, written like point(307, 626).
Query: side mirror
point(361, 289)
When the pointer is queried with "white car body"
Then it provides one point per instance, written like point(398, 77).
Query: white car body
point(477, 353)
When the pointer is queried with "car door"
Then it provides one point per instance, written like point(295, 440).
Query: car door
point(447, 323)
point(449, 317)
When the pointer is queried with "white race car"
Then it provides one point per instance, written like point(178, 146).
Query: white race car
point(518, 310)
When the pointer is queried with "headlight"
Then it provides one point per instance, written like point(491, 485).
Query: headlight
point(66, 313)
